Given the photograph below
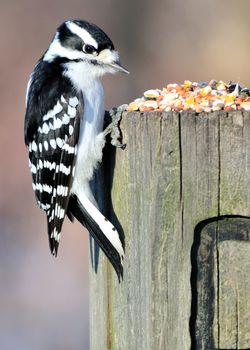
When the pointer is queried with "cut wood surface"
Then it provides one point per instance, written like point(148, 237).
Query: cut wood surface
point(180, 192)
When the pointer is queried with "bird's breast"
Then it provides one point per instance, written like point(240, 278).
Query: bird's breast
point(90, 141)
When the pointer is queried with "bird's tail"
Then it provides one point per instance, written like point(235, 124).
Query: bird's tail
point(104, 233)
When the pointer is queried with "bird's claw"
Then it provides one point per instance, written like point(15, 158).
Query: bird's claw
point(113, 128)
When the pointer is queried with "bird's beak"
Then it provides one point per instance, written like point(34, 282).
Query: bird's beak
point(117, 65)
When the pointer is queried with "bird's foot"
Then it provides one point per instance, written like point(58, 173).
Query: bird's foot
point(113, 128)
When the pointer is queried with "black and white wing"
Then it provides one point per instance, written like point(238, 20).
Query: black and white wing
point(52, 141)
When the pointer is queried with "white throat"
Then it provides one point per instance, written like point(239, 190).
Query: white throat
point(89, 85)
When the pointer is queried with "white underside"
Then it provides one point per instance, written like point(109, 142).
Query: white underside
point(90, 146)
point(91, 139)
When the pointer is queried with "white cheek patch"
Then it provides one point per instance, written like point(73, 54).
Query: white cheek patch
point(108, 56)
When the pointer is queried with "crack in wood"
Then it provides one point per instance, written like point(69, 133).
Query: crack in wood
point(181, 180)
point(218, 280)
point(237, 318)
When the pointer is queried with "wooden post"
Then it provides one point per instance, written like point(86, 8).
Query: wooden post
point(181, 193)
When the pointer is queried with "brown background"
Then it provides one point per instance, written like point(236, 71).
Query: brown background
point(43, 301)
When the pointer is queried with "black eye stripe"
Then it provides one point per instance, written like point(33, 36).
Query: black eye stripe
point(70, 40)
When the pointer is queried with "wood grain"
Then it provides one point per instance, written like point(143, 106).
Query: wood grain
point(174, 189)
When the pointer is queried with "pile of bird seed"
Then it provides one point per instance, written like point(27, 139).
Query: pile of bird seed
point(192, 96)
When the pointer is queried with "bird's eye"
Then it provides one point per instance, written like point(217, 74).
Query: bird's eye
point(89, 49)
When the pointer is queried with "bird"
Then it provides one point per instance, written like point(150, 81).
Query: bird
point(63, 131)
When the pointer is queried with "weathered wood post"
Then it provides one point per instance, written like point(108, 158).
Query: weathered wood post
point(181, 193)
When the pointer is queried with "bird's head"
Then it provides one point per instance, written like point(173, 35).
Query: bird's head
point(78, 41)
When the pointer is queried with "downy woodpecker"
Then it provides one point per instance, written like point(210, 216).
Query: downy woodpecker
point(64, 131)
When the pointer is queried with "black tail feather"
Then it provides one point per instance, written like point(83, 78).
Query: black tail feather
point(76, 209)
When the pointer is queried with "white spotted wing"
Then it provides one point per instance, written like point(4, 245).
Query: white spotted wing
point(52, 156)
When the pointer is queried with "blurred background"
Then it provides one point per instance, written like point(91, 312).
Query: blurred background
point(44, 301)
